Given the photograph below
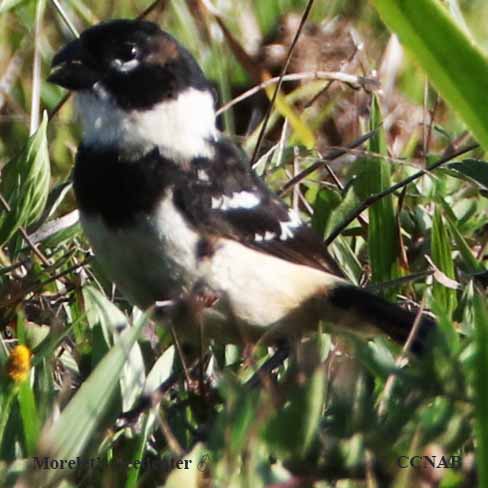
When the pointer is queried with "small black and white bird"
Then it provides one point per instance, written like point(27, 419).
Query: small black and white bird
point(171, 206)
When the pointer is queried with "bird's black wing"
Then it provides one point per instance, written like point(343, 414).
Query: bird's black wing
point(223, 196)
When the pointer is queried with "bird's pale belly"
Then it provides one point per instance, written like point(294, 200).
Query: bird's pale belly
point(158, 260)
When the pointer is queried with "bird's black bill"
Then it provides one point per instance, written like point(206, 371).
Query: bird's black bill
point(70, 68)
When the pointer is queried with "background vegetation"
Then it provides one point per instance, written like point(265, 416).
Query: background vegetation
point(336, 415)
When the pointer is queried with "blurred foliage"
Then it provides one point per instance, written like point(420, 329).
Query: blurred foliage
point(341, 411)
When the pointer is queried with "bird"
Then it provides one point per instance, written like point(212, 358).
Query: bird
point(175, 213)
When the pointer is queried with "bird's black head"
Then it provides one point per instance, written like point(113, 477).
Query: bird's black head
point(137, 63)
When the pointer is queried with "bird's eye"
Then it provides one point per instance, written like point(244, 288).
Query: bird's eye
point(127, 52)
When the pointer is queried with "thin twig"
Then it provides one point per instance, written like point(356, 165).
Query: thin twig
point(424, 119)
point(12, 267)
point(58, 106)
point(179, 351)
point(351, 80)
point(323, 91)
point(378, 196)
point(333, 154)
point(36, 69)
point(339, 185)
point(48, 229)
point(146, 401)
point(296, 188)
point(76, 34)
point(390, 382)
point(395, 283)
point(65, 18)
point(150, 8)
point(34, 248)
point(278, 85)
point(398, 224)
point(19, 296)
point(65, 272)
point(261, 376)
point(24, 234)
point(152, 399)
point(13, 71)
point(171, 439)
point(365, 153)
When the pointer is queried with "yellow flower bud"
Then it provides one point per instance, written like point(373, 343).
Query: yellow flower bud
point(19, 363)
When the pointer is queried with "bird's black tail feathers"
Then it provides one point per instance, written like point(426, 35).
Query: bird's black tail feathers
point(391, 319)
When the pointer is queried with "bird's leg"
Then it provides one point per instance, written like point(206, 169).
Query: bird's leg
point(151, 399)
point(195, 302)
point(202, 297)
point(270, 364)
point(188, 308)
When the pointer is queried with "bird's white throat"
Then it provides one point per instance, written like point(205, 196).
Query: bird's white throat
point(182, 128)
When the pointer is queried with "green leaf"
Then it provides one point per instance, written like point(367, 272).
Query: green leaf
point(326, 202)
point(106, 320)
point(29, 414)
point(329, 210)
point(7, 5)
point(346, 259)
point(7, 396)
point(302, 133)
point(160, 371)
point(133, 378)
point(25, 185)
point(454, 64)
point(3, 352)
point(472, 169)
point(382, 234)
point(349, 202)
point(481, 387)
point(82, 418)
point(139, 450)
point(442, 258)
point(472, 264)
point(374, 177)
point(103, 319)
point(301, 416)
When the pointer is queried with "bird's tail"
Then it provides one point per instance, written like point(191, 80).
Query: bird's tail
point(364, 307)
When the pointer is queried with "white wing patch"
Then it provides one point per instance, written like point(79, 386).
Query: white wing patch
point(202, 175)
point(268, 236)
point(241, 199)
point(288, 226)
point(287, 229)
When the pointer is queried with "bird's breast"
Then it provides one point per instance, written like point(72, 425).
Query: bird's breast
point(153, 258)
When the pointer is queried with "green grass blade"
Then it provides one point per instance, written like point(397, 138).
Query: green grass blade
point(301, 414)
point(25, 185)
point(134, 473)
point(7, 397)
point(7, 5)
point(81, 419)
point(328, 212)
point(470, 261)
point(481, 387)
point(442, 258)
point(454, 64)
point(382, 235)
point(29, 414)
point(375, 176)
point(472, 169)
